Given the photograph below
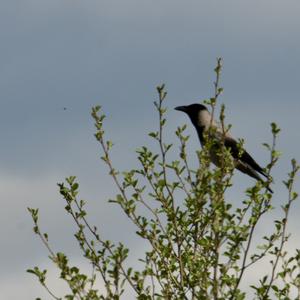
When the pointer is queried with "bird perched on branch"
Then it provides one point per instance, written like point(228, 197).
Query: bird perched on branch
point(202, 120)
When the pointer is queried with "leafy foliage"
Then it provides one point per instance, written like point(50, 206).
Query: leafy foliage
point(200, 246)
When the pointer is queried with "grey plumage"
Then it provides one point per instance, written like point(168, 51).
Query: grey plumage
point(202, 120)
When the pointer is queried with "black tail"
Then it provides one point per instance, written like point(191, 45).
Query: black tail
point(247, 169)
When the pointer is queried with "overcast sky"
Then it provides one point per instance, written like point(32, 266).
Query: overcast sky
point(57, 54)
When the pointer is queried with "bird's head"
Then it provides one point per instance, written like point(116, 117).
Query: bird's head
point(195, 111)
point(192, 108)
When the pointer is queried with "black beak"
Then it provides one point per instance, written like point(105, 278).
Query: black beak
point(181, 108)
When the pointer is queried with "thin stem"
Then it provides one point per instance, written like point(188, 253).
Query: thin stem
point(250, 236)
point(49, 291)
point(132, 215)
point(162, 95)
point(93, 251)
point(283, 234)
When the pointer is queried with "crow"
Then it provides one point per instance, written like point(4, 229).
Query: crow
point(202, 120)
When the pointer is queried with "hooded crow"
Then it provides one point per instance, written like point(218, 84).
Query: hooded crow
point(202, 120)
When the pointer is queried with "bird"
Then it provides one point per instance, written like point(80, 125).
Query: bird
point(243, 161)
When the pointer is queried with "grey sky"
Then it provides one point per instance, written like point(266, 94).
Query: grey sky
point(75, 54)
